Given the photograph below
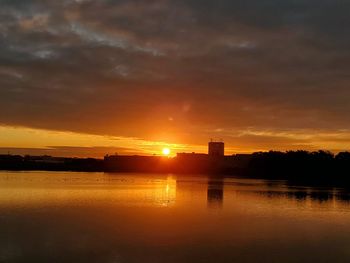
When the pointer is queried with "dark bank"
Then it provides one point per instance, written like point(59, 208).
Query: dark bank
point(320, 167)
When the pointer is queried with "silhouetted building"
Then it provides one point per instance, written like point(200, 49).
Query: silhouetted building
point(216, 148)
point(193, 155)
point(136, 163)
point(191, 163)
point(45, 159)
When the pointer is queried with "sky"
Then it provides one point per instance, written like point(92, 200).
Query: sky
point(89, 77)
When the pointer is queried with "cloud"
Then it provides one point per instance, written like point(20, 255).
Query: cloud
point(110, 40)
point(35, 22)
point(122, 67)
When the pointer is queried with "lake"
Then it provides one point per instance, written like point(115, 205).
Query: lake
point(99, 217)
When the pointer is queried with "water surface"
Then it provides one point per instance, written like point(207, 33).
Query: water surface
point(97, 217)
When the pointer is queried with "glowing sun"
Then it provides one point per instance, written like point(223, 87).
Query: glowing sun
point(166, 151)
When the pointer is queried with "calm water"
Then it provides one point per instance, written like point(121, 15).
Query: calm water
point(96, 217)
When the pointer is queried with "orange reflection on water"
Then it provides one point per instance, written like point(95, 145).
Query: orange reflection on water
point(159, 218)
point(59, 189)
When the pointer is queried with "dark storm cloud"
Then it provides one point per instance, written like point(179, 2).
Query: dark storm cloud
point(186, 67)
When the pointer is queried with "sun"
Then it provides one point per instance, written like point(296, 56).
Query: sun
point(166, 151)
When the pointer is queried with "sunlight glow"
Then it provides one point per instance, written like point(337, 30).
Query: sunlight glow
point(166, 151)
point(22, 140)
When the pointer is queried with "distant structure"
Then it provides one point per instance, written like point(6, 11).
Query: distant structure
point(216, 148)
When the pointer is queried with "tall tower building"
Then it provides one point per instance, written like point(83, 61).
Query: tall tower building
point(216, 148)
